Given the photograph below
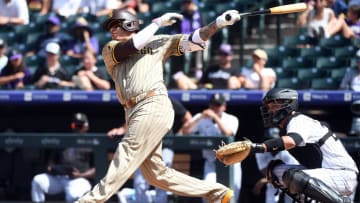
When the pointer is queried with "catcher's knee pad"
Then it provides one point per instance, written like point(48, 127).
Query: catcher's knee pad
point(295, 180)
point(270, 175)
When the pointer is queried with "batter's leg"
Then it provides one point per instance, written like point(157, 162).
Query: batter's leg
point(146, 127)
point(157, 174)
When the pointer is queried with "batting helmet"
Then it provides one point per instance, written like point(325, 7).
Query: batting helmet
point(284, 102)
point(124, 19)
point(79, 121)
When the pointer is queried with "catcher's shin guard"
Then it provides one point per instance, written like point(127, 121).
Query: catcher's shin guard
point(299, 182)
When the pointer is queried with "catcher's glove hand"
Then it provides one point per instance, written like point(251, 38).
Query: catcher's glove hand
point(233, 152)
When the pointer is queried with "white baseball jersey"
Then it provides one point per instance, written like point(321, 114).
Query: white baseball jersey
point(334, 154)
point(338, 170)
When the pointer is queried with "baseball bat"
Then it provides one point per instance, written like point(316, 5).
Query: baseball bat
point(289, 8)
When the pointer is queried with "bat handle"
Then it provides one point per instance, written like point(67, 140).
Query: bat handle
point(228, 17)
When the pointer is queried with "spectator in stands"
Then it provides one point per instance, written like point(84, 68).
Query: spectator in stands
point(339, 7)
point(259, 77)
point(141, 187)
point(15, 75)
point(351, 79)
point(52, 34)
point(45, 6)
point(90, 77)
point(214, 121)
point(98, 7)
point(189, 63)
point(3, 57)
point(82, 39)
point(68, 171)
point(64, 8)
point(135, 6)
point(353, 19)
point(13, 12)
point(218, 76)
point(322, 22)
point(51, 75)
point(222, 75)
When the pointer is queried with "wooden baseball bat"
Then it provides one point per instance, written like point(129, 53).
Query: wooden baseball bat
point(289, 8)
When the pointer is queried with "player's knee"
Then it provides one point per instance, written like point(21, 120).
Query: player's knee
point(295, 180)
point(270, 175)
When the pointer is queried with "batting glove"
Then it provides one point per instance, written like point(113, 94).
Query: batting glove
point(167, 19)
point(227, 18)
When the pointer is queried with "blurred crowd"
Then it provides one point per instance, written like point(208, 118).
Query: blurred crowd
point(52, 44)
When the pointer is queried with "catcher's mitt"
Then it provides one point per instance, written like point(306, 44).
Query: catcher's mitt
point(233, 152)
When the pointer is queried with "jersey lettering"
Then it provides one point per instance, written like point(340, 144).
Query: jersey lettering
point(146, 50)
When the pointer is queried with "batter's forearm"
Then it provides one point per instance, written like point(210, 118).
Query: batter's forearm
point(208, 31)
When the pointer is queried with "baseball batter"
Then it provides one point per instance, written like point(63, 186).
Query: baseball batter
point(327, 172)
point(135, 62)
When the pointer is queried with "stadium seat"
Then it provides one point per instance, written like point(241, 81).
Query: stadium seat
point(338, 73)
point(353, 62)
point(300, 40)
point(208, 16)
point(283, 73)
point(158, 8)
point(293, 83)
point(66, 60)
point(310, 73)
point(345, 52)
point(277, 54)
point(33, 60)
point(32, 37)
point(324, 84)
point(282, 51)
point(273, 62)
point(315, 51)
point(71, 68)
point(221, 7)
point(144, 18)
point(297, 62)
point(334, 41)
point(9, 37)
point(23, 30)
point(331, 62)
point(41, 19)
point(356, 42)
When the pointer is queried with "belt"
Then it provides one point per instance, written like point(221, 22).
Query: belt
point(135, 100)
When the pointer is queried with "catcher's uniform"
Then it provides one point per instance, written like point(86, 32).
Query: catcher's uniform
point(149, 116)
point(334, 166)
point(262, 160)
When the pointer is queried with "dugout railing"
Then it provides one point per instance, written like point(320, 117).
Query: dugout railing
point(101, 144)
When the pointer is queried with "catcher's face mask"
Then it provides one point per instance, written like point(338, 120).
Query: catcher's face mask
point(274, 111)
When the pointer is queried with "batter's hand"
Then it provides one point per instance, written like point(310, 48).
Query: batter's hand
point(227, 18)
point(167, 19)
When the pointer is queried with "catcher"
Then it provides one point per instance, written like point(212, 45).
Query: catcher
point(327, 172)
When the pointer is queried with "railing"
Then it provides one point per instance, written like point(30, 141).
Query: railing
point(101, 144)
point(238, 97)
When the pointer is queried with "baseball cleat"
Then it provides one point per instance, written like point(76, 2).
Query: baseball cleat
point(227, 197)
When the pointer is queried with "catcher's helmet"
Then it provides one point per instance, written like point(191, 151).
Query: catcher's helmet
point(125, 19)
point(285, 101)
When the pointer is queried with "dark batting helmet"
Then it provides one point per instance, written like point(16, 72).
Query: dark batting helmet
point(285, 101)
point(124, 19)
